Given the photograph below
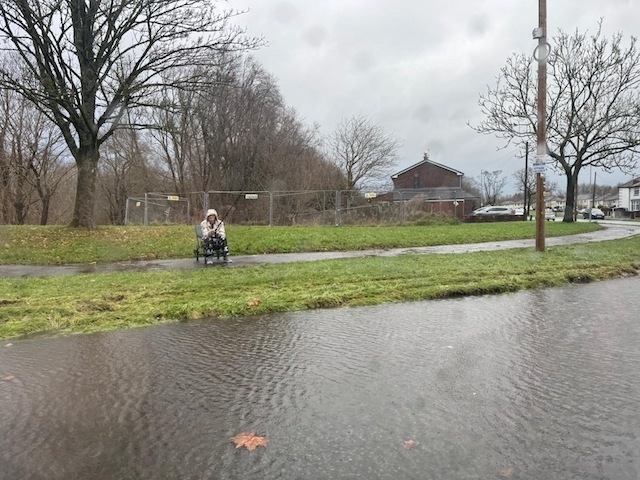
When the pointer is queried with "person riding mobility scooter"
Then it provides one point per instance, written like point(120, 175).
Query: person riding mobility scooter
point(213, 238)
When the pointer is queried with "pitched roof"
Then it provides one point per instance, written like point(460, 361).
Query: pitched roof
point(426, 160)
point(633, 183)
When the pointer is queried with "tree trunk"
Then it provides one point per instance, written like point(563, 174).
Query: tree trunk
point(20, 200)
point(5, 197)
point(44, 214)
point(572, 181)
point(87, 163)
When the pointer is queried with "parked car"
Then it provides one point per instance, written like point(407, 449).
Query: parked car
point(478, 211)
point(519, 211)
point(494, 211)
point(596, 214)
point(549, 214)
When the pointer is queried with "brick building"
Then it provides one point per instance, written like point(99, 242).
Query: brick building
point(439, 186)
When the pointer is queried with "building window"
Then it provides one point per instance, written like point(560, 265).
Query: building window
point(635, 205)
point(636, 192)
point(416, 181)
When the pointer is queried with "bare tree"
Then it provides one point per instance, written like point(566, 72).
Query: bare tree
point(526, 182)
point(32, 162)
point(593, 115)
point(362, 150)
point(240, 119)
point(491, 186)
point(177, 137)
point(124, 171)
point(47, 163)
point(85, 62)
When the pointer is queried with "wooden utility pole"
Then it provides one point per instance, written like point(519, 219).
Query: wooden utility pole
point(542, 51)
point(527, 207)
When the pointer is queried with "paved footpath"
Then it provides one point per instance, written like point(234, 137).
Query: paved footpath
point(613, 230)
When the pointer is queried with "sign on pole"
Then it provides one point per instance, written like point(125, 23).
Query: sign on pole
point(538, 167)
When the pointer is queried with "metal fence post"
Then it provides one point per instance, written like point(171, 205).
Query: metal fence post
point(146, 210)
point(338, 202)
point(271, 209)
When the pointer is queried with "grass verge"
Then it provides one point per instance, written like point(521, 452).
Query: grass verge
point(55, 245)
point(99, 302)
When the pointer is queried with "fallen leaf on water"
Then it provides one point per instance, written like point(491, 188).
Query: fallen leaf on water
point(9, 345)
point(409, 444)
point(253, 303)
point(8, 378)
point(507, 472)
point(249, 440)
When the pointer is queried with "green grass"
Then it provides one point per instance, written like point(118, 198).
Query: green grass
point(99, 302)
point(55, 245)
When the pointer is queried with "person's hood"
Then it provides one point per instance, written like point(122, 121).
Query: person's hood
point(212, 211)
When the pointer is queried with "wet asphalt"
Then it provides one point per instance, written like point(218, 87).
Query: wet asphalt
point(613, 230)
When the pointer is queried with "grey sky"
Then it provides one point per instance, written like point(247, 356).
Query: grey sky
point(414, 67)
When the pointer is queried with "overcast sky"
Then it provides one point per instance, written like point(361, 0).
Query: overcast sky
point(414, 67)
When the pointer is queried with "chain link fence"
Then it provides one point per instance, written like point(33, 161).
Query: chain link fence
point(286, 208)
point(157, 208)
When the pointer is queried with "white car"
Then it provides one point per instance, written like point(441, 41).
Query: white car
point(549, 214)
point(494, 211)
point(480, 210)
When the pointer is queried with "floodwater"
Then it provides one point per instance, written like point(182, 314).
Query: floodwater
point(540, 384)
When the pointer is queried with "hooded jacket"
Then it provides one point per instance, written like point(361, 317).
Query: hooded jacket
point(217, 226)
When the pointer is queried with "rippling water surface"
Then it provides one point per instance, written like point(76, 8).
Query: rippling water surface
point(537, 385)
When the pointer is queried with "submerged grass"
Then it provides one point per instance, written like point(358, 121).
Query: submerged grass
point(98, 302)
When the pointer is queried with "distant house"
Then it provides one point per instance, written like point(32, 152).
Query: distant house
point(439, 187)
point(629, 195)
point(427, 174)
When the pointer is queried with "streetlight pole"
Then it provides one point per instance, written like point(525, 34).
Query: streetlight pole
point(542, 51)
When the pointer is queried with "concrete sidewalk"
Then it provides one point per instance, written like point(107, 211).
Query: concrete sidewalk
point(612, 231)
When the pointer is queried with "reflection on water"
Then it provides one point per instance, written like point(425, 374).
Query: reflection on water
point(540, 384)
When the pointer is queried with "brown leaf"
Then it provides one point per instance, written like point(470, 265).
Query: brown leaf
point(409, 444)
point(8, 378)
point(249, 440)
point(507, 472)
point(254, 303)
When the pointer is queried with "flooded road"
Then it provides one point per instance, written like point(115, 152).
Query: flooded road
point(540, 384)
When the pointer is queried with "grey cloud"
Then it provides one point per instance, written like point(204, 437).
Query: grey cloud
point(286, 13)
point(478, 25)
point(315, 36)
point(414, 67)
point(424, 113)
point(363, 61)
